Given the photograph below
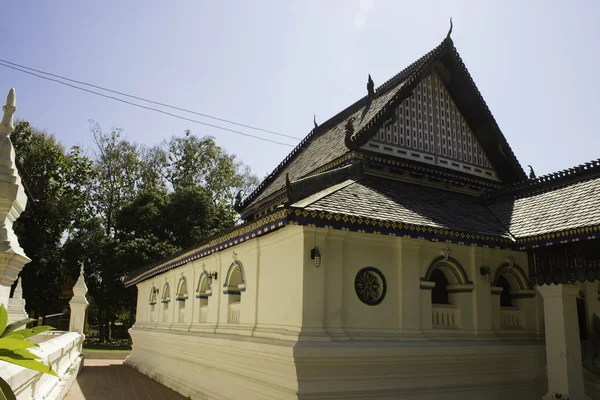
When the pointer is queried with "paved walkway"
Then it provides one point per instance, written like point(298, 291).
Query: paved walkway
point(110, 379)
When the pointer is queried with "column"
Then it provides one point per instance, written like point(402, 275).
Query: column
point(78, 304)
point(563, 349)
point(496, 308)
point(334, 288)
point(409, 308)
point(426, 316)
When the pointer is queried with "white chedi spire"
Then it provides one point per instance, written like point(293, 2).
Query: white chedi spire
point(12, 200)
point(78, 304)
point(80, 289)
point(16, 305)
point(18, 293)
point(7, 126)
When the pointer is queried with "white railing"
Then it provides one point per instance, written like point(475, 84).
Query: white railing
point(511, 318)
point(234, 313)
point(203, 313)
point(445, 316)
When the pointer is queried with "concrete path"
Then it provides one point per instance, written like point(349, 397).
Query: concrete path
point(110, 379)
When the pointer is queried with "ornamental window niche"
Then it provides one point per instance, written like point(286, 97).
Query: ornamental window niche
point(180, 297)
point(370, 286)
point(233, 287)
point(152, 302)
point(165, 300)
point(449, 280)
point(203, 292)
point(511, 284)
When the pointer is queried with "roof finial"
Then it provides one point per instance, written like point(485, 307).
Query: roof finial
point(315, 121)
point(450, 31)
point(531, 172)
point(370, 86)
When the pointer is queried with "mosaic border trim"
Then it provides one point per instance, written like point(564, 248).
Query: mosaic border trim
point(321, 219)
point(561, 237)
point(262, 227)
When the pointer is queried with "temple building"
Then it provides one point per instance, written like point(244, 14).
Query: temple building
point(399, 251)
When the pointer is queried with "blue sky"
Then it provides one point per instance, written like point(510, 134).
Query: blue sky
point(273, 64)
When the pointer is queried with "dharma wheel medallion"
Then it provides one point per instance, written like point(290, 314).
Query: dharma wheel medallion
point(370, 286)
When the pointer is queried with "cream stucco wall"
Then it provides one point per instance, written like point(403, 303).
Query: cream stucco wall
point(303, 332)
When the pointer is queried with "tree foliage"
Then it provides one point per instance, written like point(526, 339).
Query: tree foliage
point(124, 207)
point(55, 182)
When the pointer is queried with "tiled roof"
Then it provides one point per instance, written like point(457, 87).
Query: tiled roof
point(409, 203)
point(550, 209)
point(326, 147)
point(328, 142)
point(331, 140)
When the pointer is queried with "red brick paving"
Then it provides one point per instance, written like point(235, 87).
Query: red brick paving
point(110, 379)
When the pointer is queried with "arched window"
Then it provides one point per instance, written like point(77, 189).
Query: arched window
point(152, 301)
point(166, 295)
point(233, 286)
point(505, 300)
point(439, 293)
point(182, 292)
point(181, 296)
point(165, 299)
point(152, 297)
point(203, 292)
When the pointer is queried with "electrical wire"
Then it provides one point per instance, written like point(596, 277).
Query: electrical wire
point(149, 101)
point(146, 107)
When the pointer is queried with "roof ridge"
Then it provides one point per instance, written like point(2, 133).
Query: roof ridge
point(487, 108)
point(552, 180)
point(379, 91)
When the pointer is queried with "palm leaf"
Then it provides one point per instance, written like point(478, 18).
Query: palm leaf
point(25, 333)
point(6, 393)
point(25, 359)
point(15, 325)
point(12, 344)
point(3, 318)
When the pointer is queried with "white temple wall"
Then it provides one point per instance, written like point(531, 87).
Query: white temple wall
point(278, 291)
point(387, 350)
point(362, 250)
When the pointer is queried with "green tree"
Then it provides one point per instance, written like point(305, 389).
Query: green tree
point(55, 183)
point(199, 162)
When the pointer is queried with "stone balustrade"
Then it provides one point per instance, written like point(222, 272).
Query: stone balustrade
point(511, 318)
point(203, 313)
point(445, 316)
point(234, 313)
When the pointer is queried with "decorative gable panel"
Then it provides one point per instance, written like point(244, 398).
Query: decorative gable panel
point(428, 127)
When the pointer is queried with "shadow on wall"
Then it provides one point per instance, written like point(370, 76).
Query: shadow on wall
point(110, 379)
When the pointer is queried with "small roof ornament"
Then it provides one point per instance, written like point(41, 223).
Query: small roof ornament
point(370, 86)
point(315, 121)
point(450, 30)
point(531, 172)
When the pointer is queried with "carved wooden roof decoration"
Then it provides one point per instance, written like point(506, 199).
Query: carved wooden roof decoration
point(355, 125)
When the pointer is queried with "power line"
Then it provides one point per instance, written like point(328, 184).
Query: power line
point(146, 107)
point(149, 101)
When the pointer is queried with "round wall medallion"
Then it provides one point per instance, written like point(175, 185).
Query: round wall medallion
point(370, 286)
